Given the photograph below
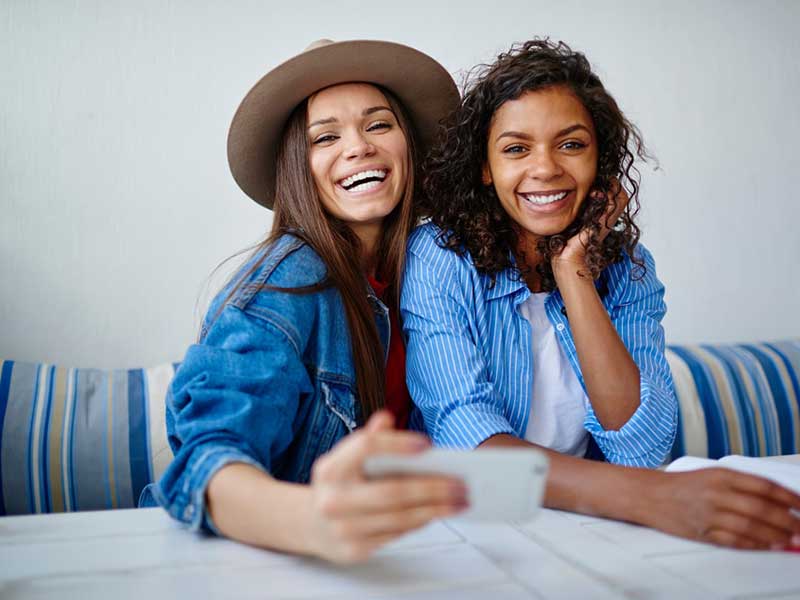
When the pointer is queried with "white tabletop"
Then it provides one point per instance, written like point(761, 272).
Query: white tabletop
point(143, 554)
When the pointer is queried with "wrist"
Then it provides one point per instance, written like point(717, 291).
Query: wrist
point(643, 497)
point(308, 531)
point(568, 267)
point(629, 495)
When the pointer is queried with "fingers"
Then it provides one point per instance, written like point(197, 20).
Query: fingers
point(382, 420)
point(392, 494)
point(396, 522)
point(749, 532)
point(345, 461)
point(723, 537)
point(774, 514)
point(749, 512)
point(766, 488)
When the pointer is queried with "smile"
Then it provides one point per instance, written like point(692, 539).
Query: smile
point(364, 181)
point(544, 198)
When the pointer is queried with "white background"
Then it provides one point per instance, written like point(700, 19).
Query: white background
point(116, 202)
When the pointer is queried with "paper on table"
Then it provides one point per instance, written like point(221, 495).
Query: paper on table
point(787, 475)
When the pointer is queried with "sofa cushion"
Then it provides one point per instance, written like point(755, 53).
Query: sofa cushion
point(79, 439)
point(89, 439)
point(737, 399)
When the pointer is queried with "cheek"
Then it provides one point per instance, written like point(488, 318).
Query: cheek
point(320, 169)
point(399, 150)
point(506, 178)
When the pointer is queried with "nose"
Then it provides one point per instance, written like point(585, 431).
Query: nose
point(358, 146)
point(543, 165)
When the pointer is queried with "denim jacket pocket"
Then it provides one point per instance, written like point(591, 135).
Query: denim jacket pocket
point(340, 399)
point(334, 414)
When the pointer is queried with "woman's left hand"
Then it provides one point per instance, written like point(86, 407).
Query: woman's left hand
point(573, 256)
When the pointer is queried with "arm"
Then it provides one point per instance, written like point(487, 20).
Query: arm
point(446, 373)
point(340, 516)
point(710, 505)
point(633, 414)
point(610, 375)
point(233, 405)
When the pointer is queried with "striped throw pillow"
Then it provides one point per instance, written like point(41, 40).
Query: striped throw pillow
point(737, 399)
point(79, 439)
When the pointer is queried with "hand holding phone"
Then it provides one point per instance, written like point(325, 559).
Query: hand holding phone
point(503, 483)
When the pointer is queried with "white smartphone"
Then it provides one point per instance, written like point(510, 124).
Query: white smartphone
point(502, 483)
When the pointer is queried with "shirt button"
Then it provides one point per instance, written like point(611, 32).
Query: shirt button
point(188, 512)
point(560, 327)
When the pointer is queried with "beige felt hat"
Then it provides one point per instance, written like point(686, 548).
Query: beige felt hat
point(424, 87)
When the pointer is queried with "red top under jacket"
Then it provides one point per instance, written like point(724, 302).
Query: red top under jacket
point(398, 400)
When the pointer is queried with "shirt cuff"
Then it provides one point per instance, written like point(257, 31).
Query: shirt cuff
point(646, 439)
point(189, 506)
point(467, 426)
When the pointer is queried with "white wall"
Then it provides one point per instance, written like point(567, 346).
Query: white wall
point(116, 201)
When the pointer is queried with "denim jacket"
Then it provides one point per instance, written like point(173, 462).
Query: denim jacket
point(270, 383)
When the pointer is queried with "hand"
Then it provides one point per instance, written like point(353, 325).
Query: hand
point(727, 508)
point(573, 256)
point(351, 517)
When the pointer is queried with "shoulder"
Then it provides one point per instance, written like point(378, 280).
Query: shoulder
point(287, 262)
point(633, 277)
point(427, 243)
point(432, 269)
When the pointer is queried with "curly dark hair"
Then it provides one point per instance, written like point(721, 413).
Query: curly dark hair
point(469, 212)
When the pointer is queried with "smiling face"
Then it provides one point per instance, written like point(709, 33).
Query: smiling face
point(542, 159)
point(358, 154)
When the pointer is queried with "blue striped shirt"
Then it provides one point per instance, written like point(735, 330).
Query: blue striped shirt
point(469, 355)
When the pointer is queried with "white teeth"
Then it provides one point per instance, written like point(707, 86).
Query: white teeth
point(363, 187)
point(535, 199)
point(348, 181)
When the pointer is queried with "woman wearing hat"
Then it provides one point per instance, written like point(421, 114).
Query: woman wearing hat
point(302, 347)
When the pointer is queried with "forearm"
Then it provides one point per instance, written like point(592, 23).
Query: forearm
point(248, 505)
point(610, 374)
point(592, 488)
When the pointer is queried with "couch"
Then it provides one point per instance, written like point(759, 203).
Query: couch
point(90, 439)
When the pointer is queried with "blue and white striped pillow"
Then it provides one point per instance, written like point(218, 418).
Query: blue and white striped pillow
point(88, 439)
point(737, 399)
point(79, 439)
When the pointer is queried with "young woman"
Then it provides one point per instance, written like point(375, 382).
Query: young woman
point(532, 313)
point(291, 354)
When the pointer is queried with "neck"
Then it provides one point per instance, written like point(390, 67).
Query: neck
point(528, 256)
point(368, 235)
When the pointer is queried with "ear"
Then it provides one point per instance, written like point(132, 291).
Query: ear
point(486, 174)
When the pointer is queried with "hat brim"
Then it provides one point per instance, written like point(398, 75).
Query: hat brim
point(422, 85)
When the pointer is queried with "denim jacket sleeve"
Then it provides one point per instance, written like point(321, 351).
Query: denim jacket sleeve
point(636, 310)
point(233, 399)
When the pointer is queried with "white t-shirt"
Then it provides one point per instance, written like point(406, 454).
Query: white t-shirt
point(558, 402)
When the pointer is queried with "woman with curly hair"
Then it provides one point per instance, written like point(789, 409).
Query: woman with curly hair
point(533, 315)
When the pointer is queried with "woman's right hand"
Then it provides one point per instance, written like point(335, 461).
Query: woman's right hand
point(351, 516)
point(726, 508)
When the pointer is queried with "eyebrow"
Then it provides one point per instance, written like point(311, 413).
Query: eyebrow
point(365, 113)
point(525, 136)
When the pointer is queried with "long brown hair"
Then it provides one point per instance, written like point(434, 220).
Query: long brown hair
point(299, 212)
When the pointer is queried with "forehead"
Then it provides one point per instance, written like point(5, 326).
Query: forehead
point(549, 109)
point(344, 98)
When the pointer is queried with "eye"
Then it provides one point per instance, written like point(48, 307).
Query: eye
point(573, 145)
point(325, 138)
point(379, 126)
point(515, 149)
